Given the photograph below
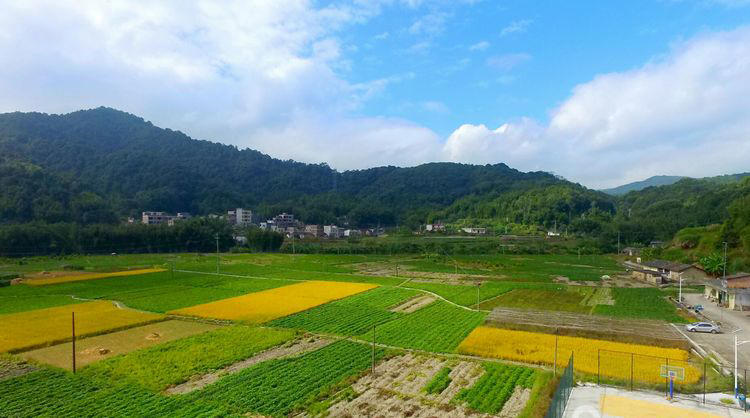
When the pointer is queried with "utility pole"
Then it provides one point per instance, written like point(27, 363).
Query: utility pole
point(618, 242)
point(478, 285)
point(679, 299)
point(217, 253)
point(73, 323)
point(373, 350)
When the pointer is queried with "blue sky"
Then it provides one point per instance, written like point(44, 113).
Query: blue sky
point(546, 51)
point(600, 92)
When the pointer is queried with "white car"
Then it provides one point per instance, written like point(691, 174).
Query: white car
point(703, 327)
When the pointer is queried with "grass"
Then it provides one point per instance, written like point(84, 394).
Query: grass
point(22, 298)
point(174, 362)
point(438, 327)
point(354, 315)
point(539, 299)
point(116, 343)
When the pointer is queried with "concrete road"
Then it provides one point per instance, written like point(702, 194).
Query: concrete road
point(723, 343)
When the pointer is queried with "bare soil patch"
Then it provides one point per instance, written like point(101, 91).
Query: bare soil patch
point(591, 326)
point(517, 401)
point(397, 390)
point(414, 304)
point(92, 349)
point(10, 368)
point(296, 348)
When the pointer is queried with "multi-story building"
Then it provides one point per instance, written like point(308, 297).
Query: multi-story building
point(156, 218)
point(240, 216)
point(284, 220)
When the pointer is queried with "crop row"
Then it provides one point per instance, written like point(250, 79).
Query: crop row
point(277, 387)
point(495, 387)
point(645, 303)
point(351, 316)
point(439, 382)
point(438, 327)
point(56, 393)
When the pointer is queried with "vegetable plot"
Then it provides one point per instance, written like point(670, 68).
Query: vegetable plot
point(438, 327)
point(351, 316)
point(278, 387)
point(496, 386)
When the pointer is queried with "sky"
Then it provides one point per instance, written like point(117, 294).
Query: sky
point(602, 93)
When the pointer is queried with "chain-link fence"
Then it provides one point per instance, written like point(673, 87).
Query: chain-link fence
point(562, 393)
point(703, 381)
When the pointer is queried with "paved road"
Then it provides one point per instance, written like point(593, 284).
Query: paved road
point(730, 321)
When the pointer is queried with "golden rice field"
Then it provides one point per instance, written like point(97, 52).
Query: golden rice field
point(615, 362)
point(86, 276)
point(47, 326)
point(275, 303)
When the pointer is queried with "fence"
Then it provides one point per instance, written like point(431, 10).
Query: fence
point(562, 393)
point(675, 377)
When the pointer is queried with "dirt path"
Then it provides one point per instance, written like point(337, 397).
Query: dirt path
point(299, 347)
point(516, 403)
point(414, 304)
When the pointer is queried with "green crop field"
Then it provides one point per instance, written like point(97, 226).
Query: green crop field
point(540, 299)
point(640, 303)
point(438, 327)
point(495, 387)
point(277, 387)
point(351, 316)
point(174, 362)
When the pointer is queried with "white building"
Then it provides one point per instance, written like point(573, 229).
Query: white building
point(333, 231)
point(475, 231)
point(240, 216)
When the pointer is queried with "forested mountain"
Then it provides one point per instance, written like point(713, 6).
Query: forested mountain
point(640, 185)
point(102, 164)
point(99, 166)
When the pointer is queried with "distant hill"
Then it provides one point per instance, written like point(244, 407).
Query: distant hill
point(640, 185)
point(101, 165)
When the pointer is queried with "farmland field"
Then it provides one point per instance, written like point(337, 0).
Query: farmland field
point(69, 277)
point(174, 362)
point(537, 348)
point(351, 316)
point(277, 387)
point(93, 349)
point(45, 326)
point(551, 300)
point(438, 327)
point(275, 303)
point(285, 366)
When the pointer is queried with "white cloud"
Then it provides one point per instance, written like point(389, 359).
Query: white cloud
point(685, 113)
point(508, 61)
point(517, 26)
point(253, 73)
point(479, 46)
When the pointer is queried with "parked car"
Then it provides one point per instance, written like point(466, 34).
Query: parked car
point(698, 308)
point(703, 327)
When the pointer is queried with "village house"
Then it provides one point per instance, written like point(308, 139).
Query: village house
point(649, 276)
point(674, 271)
point(436, 227)
point(314, 230)
point(732, 292)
